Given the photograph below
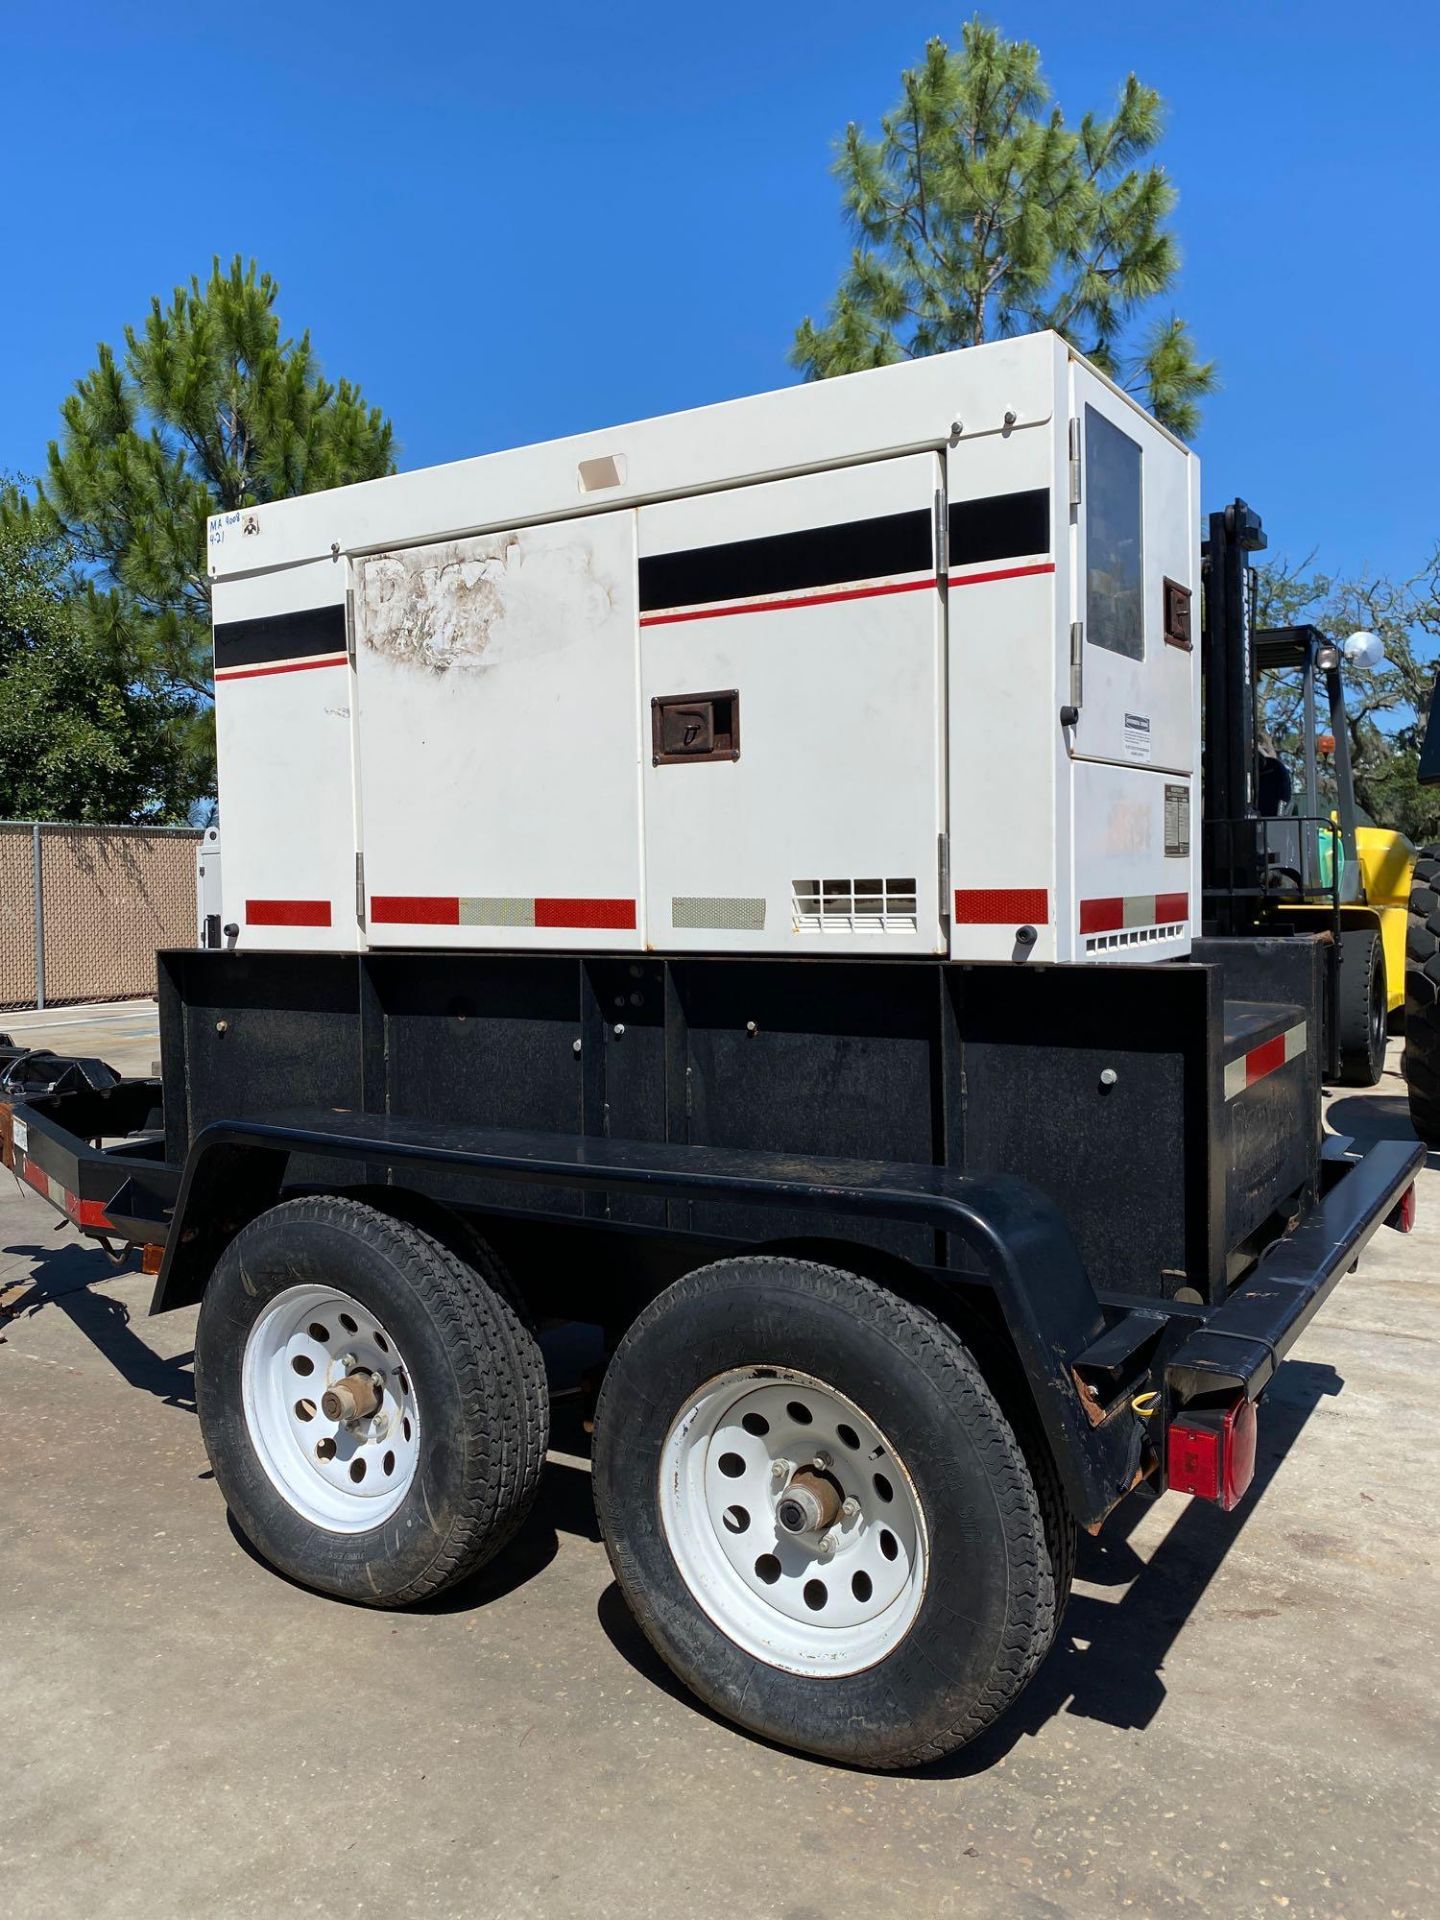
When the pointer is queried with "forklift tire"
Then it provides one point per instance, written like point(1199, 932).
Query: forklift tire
point(373, 1407)
point(1422, 997)
point(820, 1516)
point(1362, 1008)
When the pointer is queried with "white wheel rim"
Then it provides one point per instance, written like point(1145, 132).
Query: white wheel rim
point(827, 1603)
point(343, 1476)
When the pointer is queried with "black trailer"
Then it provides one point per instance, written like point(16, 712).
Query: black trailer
point(926, 1215)
point(905, 1270)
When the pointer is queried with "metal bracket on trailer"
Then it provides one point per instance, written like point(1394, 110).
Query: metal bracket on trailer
point(1018, 1237)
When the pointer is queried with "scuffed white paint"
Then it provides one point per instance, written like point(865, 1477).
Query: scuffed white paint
point(477, 603)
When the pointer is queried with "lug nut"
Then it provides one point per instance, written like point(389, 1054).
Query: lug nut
point(849, 1510)
point(821, 1462)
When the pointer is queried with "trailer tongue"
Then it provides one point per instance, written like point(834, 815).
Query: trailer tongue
point(731, 880)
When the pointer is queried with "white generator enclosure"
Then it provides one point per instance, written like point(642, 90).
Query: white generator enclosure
point(894, 664)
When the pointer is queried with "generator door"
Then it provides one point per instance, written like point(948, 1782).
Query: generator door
point(1134, 678)
point(792, 683)
point(499, 739)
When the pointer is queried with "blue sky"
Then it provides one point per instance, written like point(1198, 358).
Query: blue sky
point(508, 223)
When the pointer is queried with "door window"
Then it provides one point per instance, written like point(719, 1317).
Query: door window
point(1114, 571)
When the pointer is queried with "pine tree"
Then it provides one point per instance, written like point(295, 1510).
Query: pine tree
point(980, 214)
point(207, 409)
point(79, 739)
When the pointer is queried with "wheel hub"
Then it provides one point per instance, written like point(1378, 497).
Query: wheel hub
point(330, 1409)
point(816, 1567)
point(808, 1504)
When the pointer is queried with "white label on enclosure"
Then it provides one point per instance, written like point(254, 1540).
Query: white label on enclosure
point(22, 1135)
point(1137, 736)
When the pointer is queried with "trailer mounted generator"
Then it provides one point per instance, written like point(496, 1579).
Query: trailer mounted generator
point(735, 881)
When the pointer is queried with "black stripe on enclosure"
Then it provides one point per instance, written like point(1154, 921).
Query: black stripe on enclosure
point(279, 636)
point(1002, 527)
point(789, 562)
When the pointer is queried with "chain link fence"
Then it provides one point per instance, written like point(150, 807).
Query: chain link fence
point(84, 909)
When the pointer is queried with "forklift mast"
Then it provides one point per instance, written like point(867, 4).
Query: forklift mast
point(1231, 854)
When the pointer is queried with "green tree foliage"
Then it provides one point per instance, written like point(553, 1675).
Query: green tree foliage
point(79, 740)
point(979, 213)
point(207, 409)
point(1386, 706)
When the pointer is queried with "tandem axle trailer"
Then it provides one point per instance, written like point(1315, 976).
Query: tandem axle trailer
point(747, 902)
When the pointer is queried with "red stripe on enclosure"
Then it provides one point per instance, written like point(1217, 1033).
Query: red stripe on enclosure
point(1171, 906)
point(1000, 573)
point(612, 914)
point(287, 913)
point(287, 666)
point(1001, 906)
point(782, 606)
point(415, 910)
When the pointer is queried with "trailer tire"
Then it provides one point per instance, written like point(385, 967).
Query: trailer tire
point(453, 1470)
point(1421, 1064)
point(709, 1376)
point(1361, 1007)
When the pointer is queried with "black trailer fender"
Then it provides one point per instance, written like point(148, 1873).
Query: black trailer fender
point(1015, 1240)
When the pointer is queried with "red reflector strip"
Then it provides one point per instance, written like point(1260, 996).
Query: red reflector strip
point(85, 1213)
point(287, 913)
point(1262, 1060)
point(1117, 911)
point(613, 914)
point(1101, 916)
point(1259, 1062)
point(445, 910)
point(1001, 906)
point(88, 1213)
point(415, 909)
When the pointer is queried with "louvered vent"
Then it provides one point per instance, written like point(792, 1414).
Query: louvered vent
point(855, 906)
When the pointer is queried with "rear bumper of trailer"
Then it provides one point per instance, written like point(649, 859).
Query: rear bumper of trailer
point(1237, 1348)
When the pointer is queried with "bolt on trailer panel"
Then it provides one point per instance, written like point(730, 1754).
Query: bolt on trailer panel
point(805, 673)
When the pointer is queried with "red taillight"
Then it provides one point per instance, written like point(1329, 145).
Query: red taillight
point(1402, 1215)
point(1210, 1452)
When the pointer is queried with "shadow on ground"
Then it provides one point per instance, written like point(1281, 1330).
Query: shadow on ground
point(1368, 1117)
point(63, 1277)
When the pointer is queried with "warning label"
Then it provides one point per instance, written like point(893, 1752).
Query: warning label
point(1177, 822)
point(1137, 736)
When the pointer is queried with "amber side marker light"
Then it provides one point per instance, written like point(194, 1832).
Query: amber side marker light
point(1210, 1452)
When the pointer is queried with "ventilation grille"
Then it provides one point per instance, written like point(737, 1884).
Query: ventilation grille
point(1132, 937)
point(855, 906)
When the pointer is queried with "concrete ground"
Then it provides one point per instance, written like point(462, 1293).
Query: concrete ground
point(1241, 1718)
